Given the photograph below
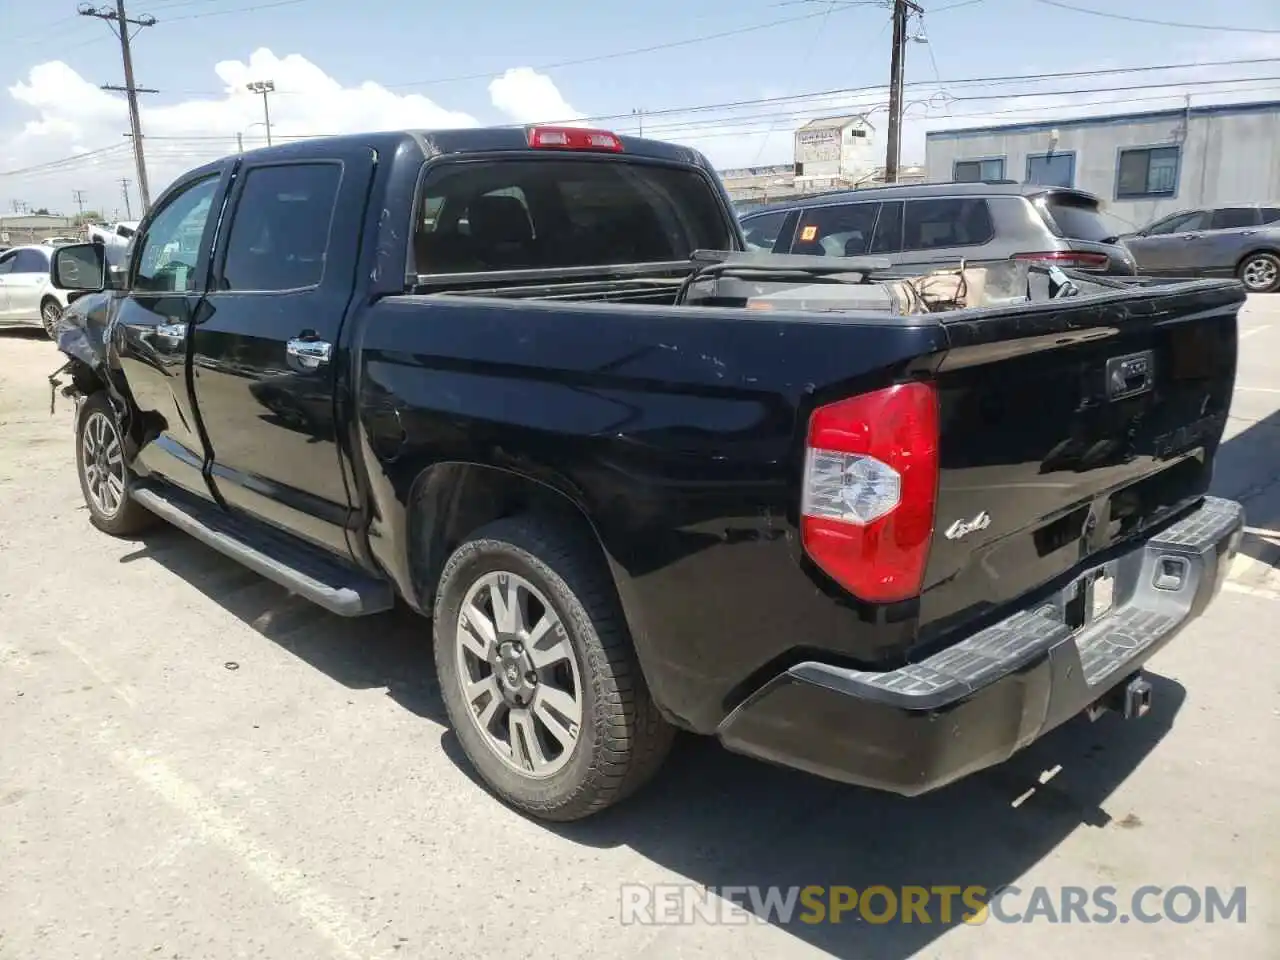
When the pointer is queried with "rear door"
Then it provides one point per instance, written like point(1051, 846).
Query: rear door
point(1216, 251)
point(942, 231)
point(264, 347)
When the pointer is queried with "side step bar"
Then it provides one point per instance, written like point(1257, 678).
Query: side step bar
point(295, 565)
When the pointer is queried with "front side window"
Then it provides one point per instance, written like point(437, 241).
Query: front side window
point(947, 222)
point(171, 246)
point(761, 232)
point(280, 230)
point(1052, 170)
point(1232, 218)
point(976, 171)
point(836, 231)
point(1180, 223)
point(1148, 172)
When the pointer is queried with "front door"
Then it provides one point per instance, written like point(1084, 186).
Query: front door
point(265, 344)
point(1167, 248)
point(152, 322)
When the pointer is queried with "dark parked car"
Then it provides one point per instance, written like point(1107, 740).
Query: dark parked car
point(466, 369)
point(920, 226)
point(1238, 241)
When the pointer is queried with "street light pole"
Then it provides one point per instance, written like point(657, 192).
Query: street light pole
point(264, 87)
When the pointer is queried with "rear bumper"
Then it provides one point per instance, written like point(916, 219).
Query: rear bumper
point(974, 704)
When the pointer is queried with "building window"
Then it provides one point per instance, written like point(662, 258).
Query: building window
point(857, 132)
point(975, 171)
point(1052, 169)
point(1147, 172)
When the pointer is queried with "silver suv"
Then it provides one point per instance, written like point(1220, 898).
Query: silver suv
point(924, 226)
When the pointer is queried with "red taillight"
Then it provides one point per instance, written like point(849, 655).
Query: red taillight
point(573, 138)
point(870, 488)
point(1072, 259)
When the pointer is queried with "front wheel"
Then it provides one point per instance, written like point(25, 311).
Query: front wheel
point(1260, 273)
point(538, 674)
point(104, 477)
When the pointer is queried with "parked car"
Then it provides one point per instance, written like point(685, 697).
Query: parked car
point(633, 489)
point(1238, 241)
point(919, 226)
point(27, 293)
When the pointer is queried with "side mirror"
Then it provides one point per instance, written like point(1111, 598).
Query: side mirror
point(79, 267)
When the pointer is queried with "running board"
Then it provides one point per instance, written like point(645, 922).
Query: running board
point(295, 565)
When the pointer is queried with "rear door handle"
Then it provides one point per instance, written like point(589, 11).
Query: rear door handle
point(307, 355)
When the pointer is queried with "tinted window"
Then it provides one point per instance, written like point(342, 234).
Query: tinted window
point(6, 263)
point(762, 232)
point(1270, 214)
point(1179, 223)
point(888, 235)
point(930, 224)
point(31, 261)
point(1052, 170)
point(1148, 172)
point(840, 231)
point(975, 171)
point(280, 230)
point(1229, 218)
point(579, 212)
point(171, 245)
point(1078, 218)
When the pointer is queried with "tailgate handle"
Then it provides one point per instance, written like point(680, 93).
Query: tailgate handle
point(1130, 374)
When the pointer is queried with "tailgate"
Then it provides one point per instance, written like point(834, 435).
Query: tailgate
point(1068, 427)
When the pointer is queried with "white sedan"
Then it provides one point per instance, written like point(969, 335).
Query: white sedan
point(27, 293)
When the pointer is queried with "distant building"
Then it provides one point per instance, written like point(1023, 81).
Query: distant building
point(1143, 165)
point(21, 228)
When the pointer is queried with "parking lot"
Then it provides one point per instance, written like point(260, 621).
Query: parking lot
point(194, 764)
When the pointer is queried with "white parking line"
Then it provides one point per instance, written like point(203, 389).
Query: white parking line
point(1249, 333)
point(1259, 389)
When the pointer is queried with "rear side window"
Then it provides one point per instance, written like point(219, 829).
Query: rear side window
point(952, 222)
point(761, 232)
point(1076, 218)
point(1231, 218)
point(547, 213)
point(280, 230)
point(839, 231)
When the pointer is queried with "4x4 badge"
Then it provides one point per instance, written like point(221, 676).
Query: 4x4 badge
point(962, 528)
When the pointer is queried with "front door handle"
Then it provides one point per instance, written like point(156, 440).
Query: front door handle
point(308, 355)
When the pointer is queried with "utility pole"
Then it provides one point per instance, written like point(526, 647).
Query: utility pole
point(119, 22)
point(79, 195)
point(902, 9)
point(239, 142)
point(124, 192)
point(639, 114)
point(264, 87)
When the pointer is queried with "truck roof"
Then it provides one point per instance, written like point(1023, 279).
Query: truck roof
point(435, 143)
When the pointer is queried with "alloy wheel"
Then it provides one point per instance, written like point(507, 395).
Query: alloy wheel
point(103, 463)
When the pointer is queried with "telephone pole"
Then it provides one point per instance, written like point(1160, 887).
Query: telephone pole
point(79, 195)
point(264, 87)
point(902, 9)
point(124, 192)
point(120, 22)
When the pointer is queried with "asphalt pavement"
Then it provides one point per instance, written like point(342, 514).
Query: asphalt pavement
point(193, 764)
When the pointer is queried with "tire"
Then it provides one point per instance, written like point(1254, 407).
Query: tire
point(621, 739)
point(1260, 273)
point(99, 457)
point(50, 311)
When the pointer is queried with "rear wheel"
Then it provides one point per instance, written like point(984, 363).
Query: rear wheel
point(50, 311)
point(1260, 273)
point(538, 674)
point(105, 480)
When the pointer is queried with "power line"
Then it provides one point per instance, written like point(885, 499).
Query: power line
point(222, 13)
point(63, 161)
point(1153, 23)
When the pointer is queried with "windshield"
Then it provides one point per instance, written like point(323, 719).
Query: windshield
point(1081, 218)
point(533, 214)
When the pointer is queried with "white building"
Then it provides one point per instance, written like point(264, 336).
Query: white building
point(1142, 165)
point(834, 152)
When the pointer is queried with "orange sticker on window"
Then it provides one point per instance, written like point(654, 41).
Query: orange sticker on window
point(808, 234)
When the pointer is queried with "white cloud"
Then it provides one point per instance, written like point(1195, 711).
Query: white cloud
point(72, 116)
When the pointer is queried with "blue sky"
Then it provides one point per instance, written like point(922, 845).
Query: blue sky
point(412, 46)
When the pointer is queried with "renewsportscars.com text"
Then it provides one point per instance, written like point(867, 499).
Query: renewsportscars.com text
point(674, 904)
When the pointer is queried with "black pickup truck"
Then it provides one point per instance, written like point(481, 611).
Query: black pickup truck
point(470, 370)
